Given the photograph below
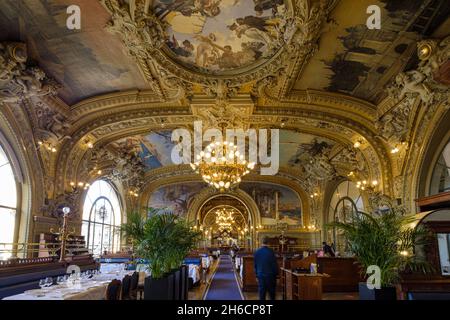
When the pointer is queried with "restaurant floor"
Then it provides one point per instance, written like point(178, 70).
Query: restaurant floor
point(326, 296)
point(197, 293)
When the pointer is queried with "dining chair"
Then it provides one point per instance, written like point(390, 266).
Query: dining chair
point(134, 285)
point(113, 290)
point(126, 283)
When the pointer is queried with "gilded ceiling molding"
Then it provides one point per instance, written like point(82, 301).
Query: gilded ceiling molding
point(417, 100)
point(132, 99)
point(144, 37)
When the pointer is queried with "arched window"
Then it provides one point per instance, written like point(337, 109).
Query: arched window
point(345, 202)
point(346, 190)
point(8, 205)
point(440, 180)
point(101, 218)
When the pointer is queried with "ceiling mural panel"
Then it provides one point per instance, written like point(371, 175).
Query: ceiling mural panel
point(218, 35)
point(275, 201)
point(87, 62)
point(355, 60)
point(154, 148)
point(293, 146)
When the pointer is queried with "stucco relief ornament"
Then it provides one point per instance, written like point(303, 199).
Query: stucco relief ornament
point(129, 168)
point(394, 125)
point(52, 125)
point(238, 42)
point(349, 158)
point(426, 82)
point(18, 81)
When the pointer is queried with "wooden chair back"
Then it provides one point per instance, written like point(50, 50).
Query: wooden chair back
point(113, 290)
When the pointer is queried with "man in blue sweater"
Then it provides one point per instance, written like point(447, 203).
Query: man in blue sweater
point(266, 270)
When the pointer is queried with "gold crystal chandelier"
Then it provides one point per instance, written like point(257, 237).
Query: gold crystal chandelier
point(221, 165)
point(224, 219)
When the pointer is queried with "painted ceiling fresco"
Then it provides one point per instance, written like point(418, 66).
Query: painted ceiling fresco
point(218, 35)
point(355, 60)
point(154, 148)
point(293, 146)
point(88, 62)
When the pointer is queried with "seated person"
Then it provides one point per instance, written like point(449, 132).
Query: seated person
point(328, 250)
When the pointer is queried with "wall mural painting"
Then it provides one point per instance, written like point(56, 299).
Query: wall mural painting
point(154, 148)
point(267, 196)
point(219, 35)
point(175, 198)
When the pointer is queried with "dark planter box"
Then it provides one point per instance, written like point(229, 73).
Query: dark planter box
point(184, 281)
point(388, 293)
point(176, 284)
point(159, 289)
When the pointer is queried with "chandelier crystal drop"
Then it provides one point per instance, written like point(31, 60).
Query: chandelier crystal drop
point(221, 165)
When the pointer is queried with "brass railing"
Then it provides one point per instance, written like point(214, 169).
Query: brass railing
point(34, 250)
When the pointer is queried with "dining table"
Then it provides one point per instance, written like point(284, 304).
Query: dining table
point(93, 288)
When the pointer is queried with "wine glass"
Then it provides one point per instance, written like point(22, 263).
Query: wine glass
point(42, 283)
point(49, 281)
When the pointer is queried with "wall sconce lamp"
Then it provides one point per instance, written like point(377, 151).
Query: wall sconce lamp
point(79, 185)
point(47, 146)
point(363, 185)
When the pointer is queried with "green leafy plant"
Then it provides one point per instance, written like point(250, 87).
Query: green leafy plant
point(133, 229)
point(387, 241)
point(165, 241)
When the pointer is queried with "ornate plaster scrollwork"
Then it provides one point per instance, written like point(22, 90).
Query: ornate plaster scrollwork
point(129, 168)
point(424, 81)
point(394, 126)
point(19, 81)
point(349, 160)
point(52, 126)
point(316, 165)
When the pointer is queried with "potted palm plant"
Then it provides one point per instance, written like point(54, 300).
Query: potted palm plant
point(133, 229)
point(384, 240)
point(163, 240)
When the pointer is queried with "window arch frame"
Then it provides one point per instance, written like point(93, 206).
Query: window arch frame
point(115, 238)
point(436, 157)
point(12, 163)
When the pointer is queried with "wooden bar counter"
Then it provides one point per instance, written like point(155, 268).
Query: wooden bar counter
point(302, 286)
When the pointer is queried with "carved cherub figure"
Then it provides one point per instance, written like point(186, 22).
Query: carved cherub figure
point(413, 82)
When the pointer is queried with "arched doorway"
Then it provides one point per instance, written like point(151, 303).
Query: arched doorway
point(225, 225)
point(226, 220)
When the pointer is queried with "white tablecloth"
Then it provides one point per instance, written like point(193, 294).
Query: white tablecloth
point(90, 289)
point(111, 267)
point(194, 272)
